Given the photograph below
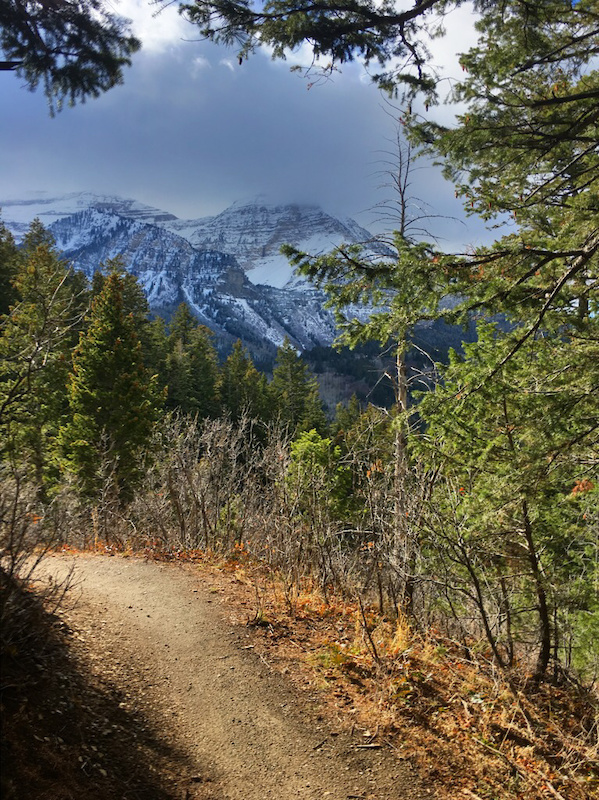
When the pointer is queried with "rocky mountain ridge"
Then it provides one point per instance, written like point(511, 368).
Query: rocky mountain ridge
point(251, 231)
point(215, 264)
point(254, 231)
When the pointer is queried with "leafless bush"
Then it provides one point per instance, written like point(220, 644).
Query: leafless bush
point(203, 489)
point(364, 523)
point(28, 529)
point(216, 485)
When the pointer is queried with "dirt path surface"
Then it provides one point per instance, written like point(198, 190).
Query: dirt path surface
point(178, 654)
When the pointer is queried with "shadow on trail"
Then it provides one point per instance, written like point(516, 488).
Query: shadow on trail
point(68, 733)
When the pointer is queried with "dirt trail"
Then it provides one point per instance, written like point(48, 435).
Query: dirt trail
point(166, 634)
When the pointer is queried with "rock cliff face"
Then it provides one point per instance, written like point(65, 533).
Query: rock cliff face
point(162, 262)
point(49, 208)
point(227, 268)
point(254, 232)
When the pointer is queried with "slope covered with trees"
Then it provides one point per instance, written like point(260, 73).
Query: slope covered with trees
point(505, 532)
point(512, 431)
point(461, 509)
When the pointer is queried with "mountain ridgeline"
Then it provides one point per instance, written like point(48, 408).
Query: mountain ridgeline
point(227, 268)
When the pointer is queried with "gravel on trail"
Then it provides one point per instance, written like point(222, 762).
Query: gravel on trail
point(167, 637)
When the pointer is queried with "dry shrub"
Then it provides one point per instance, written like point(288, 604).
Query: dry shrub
point(28, 529)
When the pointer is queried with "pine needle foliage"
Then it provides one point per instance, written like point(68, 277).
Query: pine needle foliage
point(74, 49)
point(113, 400)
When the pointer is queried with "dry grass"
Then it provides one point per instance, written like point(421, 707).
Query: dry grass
point(473, 731)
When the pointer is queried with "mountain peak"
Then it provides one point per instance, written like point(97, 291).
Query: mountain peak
point(49, 208)
point(254, 229)
point(227, 267)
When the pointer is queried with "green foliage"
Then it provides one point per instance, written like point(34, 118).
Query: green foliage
point(134, 299)
point(113, 400)
point(512, 429)
point(243, 389)
point(9, 258)
point(36, 336)
point(512, 452)
point(401, 290)
point(346, 417)
point(75, 48)
point(341, 32)
point(154, 343)
point(295, 392)
point(517, 420)
point(182, 325)
point(191, 367)
point(526, 147)
point(316, 478)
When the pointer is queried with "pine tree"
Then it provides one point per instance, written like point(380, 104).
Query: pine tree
point(295, 392)
point(243, 389)
point(191, 367)
point(134, 299)
point(515, 423)
point(9, 258)
point(346, 416)
point(76, 49)
point(37, 335)
point(154, 342)
point(113, 400)
point(518, 457)
point(182, 325)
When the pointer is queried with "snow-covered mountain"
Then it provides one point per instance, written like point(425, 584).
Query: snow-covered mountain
point(162, 262)
point(254, 231)
point(251, 231)
point(48, 208)
point(227, 268)
point(213, 284)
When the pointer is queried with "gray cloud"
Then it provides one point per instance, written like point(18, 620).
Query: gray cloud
point(191, 132)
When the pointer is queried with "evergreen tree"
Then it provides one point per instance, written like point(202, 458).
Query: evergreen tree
point(340, 32)
point(9, 258)
point(134, 299)
point(36, 336)
point(182, 325)
point(113, 400)
point(75, 48)
point(516, 421)
point(191, 367)
point(151, 332)
point(243, 389)
point(518, 456)
point(154, 342)
point(295, 392)
point(346, 416)
point(526, 147)
point(318, 481)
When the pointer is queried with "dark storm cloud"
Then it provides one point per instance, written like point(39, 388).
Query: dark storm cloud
point(192, 131)
point(197, 134)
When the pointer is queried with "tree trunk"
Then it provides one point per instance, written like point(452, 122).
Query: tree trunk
point(542, 607)
point(402, 536)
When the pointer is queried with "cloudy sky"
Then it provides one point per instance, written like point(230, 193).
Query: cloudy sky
point(191, 131)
